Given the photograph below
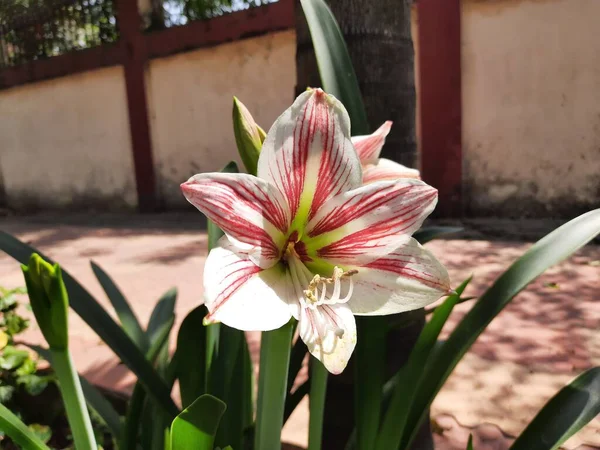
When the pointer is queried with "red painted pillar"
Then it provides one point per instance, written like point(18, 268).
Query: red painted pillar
point(440, 101)
point(133, 43)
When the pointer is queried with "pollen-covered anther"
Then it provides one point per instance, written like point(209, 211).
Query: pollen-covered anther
point(317, 293)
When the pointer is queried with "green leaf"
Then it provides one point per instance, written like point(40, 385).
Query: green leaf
point(105, 327)
point(196, 426)
point(275, 349)
point(293, 400)
point(127, 317)
point(18, 431)
point(429, 233)
point(163, 312)
point(470, 443)
point(335, 66)
point(299, 351)
point(6, 393)
point(222, 384)
point(43, 432)
point(408, 376)
point(369, 375)
point(550, 250)
point(189, 361)
point(12, 357)
point(318, 390)
point(34, 384)
point(564, 414)
point(138, 397)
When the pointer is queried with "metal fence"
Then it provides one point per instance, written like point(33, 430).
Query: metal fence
point(180, 12)
point(35, 29)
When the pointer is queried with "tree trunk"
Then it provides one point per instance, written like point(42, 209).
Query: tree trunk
point(378, 36)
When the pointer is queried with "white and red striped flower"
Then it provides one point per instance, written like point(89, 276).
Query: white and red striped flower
point(305, 239)
point(376, 168)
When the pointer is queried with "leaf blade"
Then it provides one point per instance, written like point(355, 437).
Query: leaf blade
point(548, 251)
point(86, 306)
point(566, 413)
point(196, 426)
point(127, 317)
point(335, 66)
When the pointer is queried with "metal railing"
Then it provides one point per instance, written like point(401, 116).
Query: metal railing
point(35, 29)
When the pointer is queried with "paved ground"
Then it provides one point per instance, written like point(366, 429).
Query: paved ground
point(542, 340)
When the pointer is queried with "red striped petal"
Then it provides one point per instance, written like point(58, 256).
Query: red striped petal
point(241, 294)
point(249, 210)
point(409, 277)
point(386, 170)
point(369, 146)
point(308, 154)
point(362, 225)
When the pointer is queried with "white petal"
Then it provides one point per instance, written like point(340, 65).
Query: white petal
point(387, 170)
point(249, 210)
point(241, 294)
point(308, 154)
point(317, 330)
point(408, 278)
point(369, 146)
point(359, 226)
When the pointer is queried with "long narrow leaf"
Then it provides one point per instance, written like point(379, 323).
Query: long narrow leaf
point(196, 426)
point(335, 67)
point(318, 390)
point(429, 233)
point(369, 376)
point(395, 418)
point(299, 351)
point(93, 397)
point(138, 398)
point(12, 426)
point(103, 325)
point(190, 357)
point(163, 312)
point(564, 414)
point(127, 317)
point(550, 250)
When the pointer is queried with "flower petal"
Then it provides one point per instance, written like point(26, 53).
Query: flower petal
point(369, 146)
point(308, 154)
point(249, 210)
point(362, 225)
point(242, 295)
point(317, 328)
point(408, 278)
point(386, 169)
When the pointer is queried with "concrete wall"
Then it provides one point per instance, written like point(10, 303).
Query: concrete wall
point(66, 143)
point(531, 115)
point(531, 107)
point(190, 98)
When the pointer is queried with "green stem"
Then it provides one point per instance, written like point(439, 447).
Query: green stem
point(72, 394)
point(369, 372)
point(275, 348)
point(318, 390)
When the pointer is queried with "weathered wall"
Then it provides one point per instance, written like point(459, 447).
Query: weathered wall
point(65, 143)
point(531, 112)
point(190, 98)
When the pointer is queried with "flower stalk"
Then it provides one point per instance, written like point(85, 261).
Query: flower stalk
point(318, 390)
point(275, 349)
point(50, 304)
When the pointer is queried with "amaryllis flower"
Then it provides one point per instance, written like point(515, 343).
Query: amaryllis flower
point(376, 168)
point(305, 239)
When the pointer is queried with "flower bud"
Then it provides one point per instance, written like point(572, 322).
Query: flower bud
point(49, 300)
point(248, 136)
